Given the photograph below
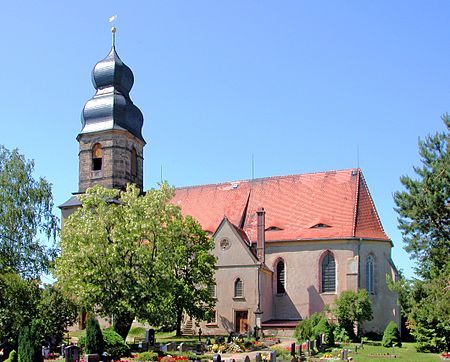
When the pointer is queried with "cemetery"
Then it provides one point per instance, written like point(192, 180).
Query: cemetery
point(154, 346)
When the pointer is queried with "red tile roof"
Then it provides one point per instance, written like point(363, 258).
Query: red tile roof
point(324, 205)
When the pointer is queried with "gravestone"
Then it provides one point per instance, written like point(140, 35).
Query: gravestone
point(150, 337)
point(258, 357)
point(217, 358)
point(183, 347)
point(293, 349)
point(208, 341)
point(308, 345)
point(172, 346)
point(72, 353)
point(91, 357)
point(247, 359)
point(230, 337)
point(45, 352)
point(163, 348)
point(63, 350)
point(199, 348)
point(345, 354)
point(273, 356)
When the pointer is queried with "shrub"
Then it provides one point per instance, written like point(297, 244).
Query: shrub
point(341, 335)
point(114, 344)
point(94, 337)
point(352, 308)
point(373, 336)
point(313, 327)
point(147, 356)
point(391, 336)
point(12, 356)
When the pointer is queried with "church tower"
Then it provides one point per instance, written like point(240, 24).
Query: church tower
point(111, 142)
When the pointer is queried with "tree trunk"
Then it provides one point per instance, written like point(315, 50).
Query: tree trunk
point(122, 324)
point(179, 319)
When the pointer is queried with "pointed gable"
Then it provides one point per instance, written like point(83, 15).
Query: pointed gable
point(232, 246)
point(294, 205)
point(367, 223)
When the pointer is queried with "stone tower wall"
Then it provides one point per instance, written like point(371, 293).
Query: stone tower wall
point(116, 161)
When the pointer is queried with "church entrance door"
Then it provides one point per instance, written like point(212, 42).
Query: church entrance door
point(241, 324)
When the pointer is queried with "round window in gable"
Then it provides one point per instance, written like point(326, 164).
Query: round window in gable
point(225, 244)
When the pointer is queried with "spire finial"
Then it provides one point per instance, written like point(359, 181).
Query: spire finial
point(113, 31)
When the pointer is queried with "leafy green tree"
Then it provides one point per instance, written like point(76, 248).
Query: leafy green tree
point(429, 317)
point(94, 337)
point(18, 307)
point(313, 327)
point(57, 312)
point(187, 270)
point(352, 309)
point(119, 254)
point(26, 212)
point(423, 207)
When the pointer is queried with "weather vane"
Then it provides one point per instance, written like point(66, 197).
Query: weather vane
point(113, 30)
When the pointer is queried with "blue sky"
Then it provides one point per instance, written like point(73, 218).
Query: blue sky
point(300, 84)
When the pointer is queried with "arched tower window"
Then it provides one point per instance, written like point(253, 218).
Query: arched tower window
point(370, 277)
point(280, 277)
point(133, 162)
point(97, 157)
point(238, 292)
point(328, 271)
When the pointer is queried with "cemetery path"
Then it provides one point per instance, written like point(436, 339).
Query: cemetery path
point(238, 357)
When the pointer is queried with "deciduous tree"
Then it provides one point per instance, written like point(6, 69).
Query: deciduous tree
point(26, 214)
point(351, 309)
point(131, 255)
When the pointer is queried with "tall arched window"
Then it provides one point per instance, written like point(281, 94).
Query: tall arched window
point(238, 292)
point(328, 271)
point(370, 278)
point(97, 157)
point(280, 277)
point(133, 162)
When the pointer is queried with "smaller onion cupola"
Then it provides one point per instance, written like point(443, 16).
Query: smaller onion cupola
point(111, 141)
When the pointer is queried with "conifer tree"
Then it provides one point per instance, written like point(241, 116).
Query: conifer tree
point(94, 337)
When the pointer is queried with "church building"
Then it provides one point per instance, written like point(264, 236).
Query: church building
point(286, 246)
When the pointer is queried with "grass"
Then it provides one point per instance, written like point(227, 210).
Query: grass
point(406, 353)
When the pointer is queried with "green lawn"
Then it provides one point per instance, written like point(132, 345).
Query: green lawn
point(406, 353)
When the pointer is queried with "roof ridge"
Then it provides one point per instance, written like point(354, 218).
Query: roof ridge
point(266, 178)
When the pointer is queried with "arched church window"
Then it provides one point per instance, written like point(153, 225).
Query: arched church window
point(133, 162)
point(97, 157)
point(238, 290)
point(370, 278)
point(280, 277)
point(328, 271)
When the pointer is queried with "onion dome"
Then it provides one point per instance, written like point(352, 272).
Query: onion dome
point(111, 106)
